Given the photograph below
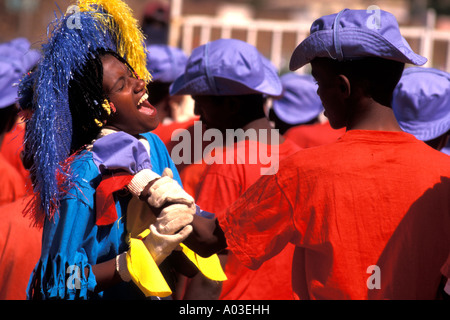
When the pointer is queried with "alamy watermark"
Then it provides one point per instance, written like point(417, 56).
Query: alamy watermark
point(374, 281)
point(224, 147)
point(74, 20)
point(74, 280)
point(373, 22)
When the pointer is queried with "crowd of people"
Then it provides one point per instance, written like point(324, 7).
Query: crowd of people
point(330, 185)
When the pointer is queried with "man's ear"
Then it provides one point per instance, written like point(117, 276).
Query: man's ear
point(344, 86)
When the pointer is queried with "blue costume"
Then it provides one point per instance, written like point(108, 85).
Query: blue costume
point(73, 242)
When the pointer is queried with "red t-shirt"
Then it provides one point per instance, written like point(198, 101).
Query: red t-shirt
point(12, 184)
point(20, 247)
point(164, 131)
point(220, 186)
point(307, 136)
point(12, 146)
point(191, 175)
point(369, 216)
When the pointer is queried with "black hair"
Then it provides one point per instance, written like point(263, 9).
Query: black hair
point(8, 117)
point(86, 97)
point(376, 76)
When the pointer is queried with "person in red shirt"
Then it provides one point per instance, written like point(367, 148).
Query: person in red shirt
point(230, 169)
point(368, 214)
point(12, 147)
point(16, 60)
point(20, 244)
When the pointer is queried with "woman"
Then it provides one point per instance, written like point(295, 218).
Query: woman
point(83, 91)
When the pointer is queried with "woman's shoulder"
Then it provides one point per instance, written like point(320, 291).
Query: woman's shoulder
point(153, 138)
point(83, 168)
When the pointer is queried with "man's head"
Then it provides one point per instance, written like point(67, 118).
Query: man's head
point(227, 78)
point(342, 84)
point(229, 112)
point(16, 59)
point(354, 56)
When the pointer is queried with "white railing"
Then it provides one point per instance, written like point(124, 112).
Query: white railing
point(189, 32)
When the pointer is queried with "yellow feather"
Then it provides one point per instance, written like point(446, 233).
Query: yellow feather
point(130, 39)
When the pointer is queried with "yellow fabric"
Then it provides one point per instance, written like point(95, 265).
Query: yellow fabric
point(210, 267)
point(129, 35)
point(143, 269)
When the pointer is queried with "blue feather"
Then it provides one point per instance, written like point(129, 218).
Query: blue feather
point(49, 131)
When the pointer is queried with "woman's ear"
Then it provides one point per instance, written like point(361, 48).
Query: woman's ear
point(344, 86)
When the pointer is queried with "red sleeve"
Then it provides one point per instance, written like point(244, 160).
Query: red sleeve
point(218, 191)
point(259, 224)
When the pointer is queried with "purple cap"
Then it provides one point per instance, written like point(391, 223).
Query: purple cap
point(227, 67)
point(421, 102)
point(300, 102)
point(16, 59)
point(353, 34)
point(165, 63)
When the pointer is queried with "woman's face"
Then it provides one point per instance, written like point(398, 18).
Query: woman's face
point(134, 114)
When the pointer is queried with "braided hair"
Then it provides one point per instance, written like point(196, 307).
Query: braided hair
point(87, 98)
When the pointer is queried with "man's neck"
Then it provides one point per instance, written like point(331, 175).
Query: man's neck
point(371, 115)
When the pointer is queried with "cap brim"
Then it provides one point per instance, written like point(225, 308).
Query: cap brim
point(271, 85)
point(355, 43)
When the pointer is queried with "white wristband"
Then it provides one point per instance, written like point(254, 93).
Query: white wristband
point(121, 267)
point(140, 180)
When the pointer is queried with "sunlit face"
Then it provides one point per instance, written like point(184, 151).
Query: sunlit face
point(134, 114)
point(330, 94)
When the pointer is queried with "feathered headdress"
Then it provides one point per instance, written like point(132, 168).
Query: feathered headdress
point(90, 26)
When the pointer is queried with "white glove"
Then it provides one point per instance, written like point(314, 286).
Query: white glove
point(174, 217)
point(166, 189)
point(161, 246)
point(141, 180)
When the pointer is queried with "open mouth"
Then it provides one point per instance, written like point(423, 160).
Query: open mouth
point(145, 107)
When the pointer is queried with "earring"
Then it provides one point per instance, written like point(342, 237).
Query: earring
point(113, 108)
point(98, 123)
point(106, 106)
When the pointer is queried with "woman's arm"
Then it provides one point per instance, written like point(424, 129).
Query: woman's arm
point(106, 275)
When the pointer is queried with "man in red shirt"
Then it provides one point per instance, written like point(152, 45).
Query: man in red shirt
point(16, 59)
point(368, 214)
point(20, 244)
point(236, 114)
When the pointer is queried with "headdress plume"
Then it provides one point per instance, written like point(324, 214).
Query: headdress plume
point(107, 25)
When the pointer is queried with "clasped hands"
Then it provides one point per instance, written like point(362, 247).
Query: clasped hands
point(172, 225)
